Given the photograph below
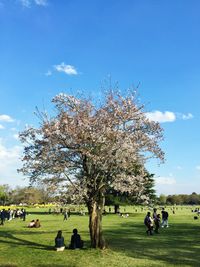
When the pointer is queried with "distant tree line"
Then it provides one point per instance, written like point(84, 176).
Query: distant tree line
point(51, 192)
point(29, 195)
point(42, 194)
point(180, 199)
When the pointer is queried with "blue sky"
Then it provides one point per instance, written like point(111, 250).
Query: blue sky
point(51, 46)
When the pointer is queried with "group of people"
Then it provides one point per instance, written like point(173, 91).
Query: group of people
point(8, 215)
point(153, 223)
point(76, 241)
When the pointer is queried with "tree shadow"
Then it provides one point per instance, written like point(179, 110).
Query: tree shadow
point(58, 265)
point(178, 245)
point(10, 238)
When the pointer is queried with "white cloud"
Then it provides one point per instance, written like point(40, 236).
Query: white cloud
point(1, 127)
point(7, 154)
point(48, 73)
point(159, 116)
point(41, 2)
point(67, 69)
point(6, 118)
point(9, 163)
point(167, 116)
point(165, 180)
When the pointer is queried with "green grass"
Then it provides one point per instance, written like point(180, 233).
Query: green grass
point(128, 245)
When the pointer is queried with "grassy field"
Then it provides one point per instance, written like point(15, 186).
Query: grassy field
point(128, 244)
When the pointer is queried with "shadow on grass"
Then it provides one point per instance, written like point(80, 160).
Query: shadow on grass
point(42, 265)
point(11, 239)
point(178, 245)
point(56, 265)
point(37, 212)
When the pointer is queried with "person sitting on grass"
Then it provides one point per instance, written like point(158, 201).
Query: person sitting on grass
point(31, 224)
point(37, 223)
point(59, 241)
point(76, 241)
point(148, 221)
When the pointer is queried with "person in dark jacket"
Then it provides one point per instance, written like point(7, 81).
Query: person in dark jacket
point(148, 221)
point(76, 241)
point(2, 216)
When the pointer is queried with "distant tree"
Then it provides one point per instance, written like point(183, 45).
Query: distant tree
point(149, 190)
point(183, 199)
point(162, 199)
point(50, 190)
point(93, 148)
point(170, 200)
point(194, 199)
point(4, 194)
point(28, 195)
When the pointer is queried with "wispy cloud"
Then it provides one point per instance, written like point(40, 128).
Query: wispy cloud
point(25, 3)
point(28, 3)
point(41, 2)
point(1, 127)
point(185, 116)
point(159, 116)
point(6, 118)
point(165, 181)
point(198, 167)
point(48, 73)
point(67, 69)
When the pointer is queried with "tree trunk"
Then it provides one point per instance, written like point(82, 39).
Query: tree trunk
point(95, 224)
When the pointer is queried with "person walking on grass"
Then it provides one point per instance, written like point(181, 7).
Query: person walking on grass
point(165, 216)
point(154, 213)
point(148, 221)
point(157, 223)
point(65, 215)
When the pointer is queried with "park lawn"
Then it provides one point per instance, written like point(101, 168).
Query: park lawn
point(128, 244)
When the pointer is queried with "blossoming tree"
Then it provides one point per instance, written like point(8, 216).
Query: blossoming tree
point(92, 148)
